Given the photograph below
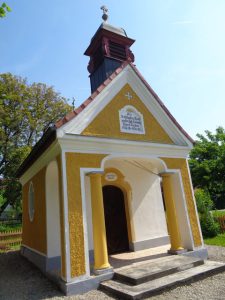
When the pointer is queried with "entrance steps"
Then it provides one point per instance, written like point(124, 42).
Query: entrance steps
point(143, 279)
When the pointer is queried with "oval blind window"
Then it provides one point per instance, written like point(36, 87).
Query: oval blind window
point(31, 202)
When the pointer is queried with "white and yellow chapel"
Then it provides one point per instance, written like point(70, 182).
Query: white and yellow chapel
point(110, 177)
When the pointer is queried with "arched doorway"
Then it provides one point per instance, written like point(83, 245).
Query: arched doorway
point(115, 220)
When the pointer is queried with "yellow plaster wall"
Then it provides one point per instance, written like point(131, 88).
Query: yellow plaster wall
point(75, 161)
point(179, 163)
point(107, 123)
point(63, 241)
point(34, 233)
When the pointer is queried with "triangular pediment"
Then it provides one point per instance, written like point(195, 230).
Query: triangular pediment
point(126, 109)
point(126, 117)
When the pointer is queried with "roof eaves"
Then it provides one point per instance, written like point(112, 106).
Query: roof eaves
point(46, 140)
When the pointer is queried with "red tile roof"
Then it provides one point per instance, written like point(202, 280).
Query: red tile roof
point(78, 110)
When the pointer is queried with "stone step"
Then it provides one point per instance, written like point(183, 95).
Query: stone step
point(152, 269)
point(124, 291)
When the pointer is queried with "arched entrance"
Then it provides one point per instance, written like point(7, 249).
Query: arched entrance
point(115, 220)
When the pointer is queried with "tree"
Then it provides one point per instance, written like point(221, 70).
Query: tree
point(26, 112)
point(4, 8)
point(210, 228)
point(207, 164)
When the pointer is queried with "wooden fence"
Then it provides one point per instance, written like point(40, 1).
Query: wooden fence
point(221, 221)
point(10, 239)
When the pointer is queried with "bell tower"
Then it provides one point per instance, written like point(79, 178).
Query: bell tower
point(108, 49)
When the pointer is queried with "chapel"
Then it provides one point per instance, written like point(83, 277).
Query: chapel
point(110, 177)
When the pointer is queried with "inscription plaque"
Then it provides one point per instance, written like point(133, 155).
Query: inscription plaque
point(131, 120)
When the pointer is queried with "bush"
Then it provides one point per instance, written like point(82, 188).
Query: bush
point(10, 227)
point(210, 227)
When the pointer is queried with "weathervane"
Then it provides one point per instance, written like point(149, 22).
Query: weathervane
point(105, 15)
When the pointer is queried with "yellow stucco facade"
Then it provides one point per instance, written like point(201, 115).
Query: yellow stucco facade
point(107, 123)
point(34, 232)
point(75, 161)
point(181, 164)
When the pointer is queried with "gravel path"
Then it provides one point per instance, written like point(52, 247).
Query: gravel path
point(20, 280)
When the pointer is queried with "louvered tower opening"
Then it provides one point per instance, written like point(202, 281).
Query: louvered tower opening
point(117, 50)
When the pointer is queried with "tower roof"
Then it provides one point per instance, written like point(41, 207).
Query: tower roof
point(110, 32)
point(108, 49)
point(109, 27)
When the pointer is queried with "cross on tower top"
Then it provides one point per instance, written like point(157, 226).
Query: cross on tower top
point(105, 15)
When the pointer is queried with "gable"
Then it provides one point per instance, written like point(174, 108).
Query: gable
point(113, 120)
point(98, 115)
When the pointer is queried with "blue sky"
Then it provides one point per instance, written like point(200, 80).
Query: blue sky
point(179, 49)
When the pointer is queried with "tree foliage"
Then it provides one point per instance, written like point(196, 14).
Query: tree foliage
point(4, 8)
point(210, 228)
point(207, 164)
point(26, 112)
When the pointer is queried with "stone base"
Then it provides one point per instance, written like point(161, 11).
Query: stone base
point(103, 271)
point(200, 253)
point(44, 263)
point(49, 265)
point(51, 268)
point(84, 286)
point(177, 252)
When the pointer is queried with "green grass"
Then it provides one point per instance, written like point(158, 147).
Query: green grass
point(218, 213)
point(218, 240)
point(12, 248)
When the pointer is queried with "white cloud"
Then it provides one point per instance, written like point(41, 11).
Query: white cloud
point(183, 22)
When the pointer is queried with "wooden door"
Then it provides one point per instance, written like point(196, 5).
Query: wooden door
point(115, 220)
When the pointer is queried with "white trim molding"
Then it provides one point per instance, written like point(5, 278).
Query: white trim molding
point(86, 144)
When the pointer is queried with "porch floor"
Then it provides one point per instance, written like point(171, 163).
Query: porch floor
point(130, 258)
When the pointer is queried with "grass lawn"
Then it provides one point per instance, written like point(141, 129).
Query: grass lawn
point(218, 213)
point(218, 240)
